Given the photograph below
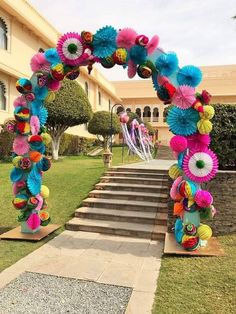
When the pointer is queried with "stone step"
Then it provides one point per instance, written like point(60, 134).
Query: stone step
point(136, 169)
point(136, 174)
point(131, 180)
point(122, 215)
point(127, 195)
point(126, 205)
point(111, 186)
point(156, 232)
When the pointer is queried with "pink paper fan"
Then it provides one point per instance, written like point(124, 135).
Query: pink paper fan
point(19, 101)
point(126, 38)
point(34, 125)
point(20, 145)
point(198, 142)
point(184, 97)
point(173, 190)
point(39, 63)
point(54, 85)
point(152, 45)
point(33, 221)
point(132, 69)
point(200, 166)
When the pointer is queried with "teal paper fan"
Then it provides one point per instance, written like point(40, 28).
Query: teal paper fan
point(16, 174)
point(34, 181)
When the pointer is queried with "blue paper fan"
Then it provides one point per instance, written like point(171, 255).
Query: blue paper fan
point(35, 107)
point(40, 92)
point(104, 42)
point(155, 82)
point(43, 115)
point(16, 174)
point(183, 122)
point(34, 181)
point(167, 63)
point(189, 75)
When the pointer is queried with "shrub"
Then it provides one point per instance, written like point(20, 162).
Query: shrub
point(6, 141)
point(223, 135)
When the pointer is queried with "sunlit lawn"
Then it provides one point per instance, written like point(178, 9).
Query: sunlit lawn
point(69, 181)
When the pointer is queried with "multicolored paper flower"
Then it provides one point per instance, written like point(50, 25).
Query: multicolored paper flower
point(200, 166)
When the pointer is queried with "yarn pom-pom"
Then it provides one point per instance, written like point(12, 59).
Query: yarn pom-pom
point(203, 198)
point(178, 143)
point(126, 38)
point(39, 63)
point(184, 97)
point(167, 63)
point(189, 75)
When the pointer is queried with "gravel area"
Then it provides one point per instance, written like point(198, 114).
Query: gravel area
point(45, 294)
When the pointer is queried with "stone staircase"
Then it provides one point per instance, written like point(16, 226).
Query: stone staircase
point(128, 202)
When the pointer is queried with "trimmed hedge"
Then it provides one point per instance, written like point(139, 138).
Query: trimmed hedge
point(223, 135)
point(6, 142)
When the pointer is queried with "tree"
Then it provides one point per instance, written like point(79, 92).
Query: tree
point(71, 107)
point(100, 124)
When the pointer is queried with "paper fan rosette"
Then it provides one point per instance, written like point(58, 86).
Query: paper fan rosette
point(200, 166)
point(104, 42)
point(70, 48)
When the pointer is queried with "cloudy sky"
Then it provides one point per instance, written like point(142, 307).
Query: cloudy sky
point(201, 32)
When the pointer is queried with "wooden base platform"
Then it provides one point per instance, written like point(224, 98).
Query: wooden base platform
point(16, 234)
point(213, 248)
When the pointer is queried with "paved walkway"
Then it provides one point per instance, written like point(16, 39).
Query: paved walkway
point(101, 258)
point(157, 164)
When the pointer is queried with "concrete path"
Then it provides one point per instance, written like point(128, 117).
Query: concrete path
point(158, 164)
point(101, 258)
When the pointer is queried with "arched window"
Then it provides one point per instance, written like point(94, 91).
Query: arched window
point(138, 112)
point(3, 101)
point(146, 114)
point(155, 115)
point(99, 99)
point(165, 113)
point(86, 88)
point(3, 34)
point(128, 110)
point(119, 109)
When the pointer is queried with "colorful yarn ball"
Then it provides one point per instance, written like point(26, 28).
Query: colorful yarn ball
point(87, 37)
point(107, 62)
point(70, 48)
point(184, 97)
point(138, 54)
point(35, 156)
point(141, 40)
point(44, 191)
point(120, 56)
point(57, 72)
point(43, 215)
point(144, 71)
point(167, 63)
point(200, 166)
point(25, 163)
point(189, 75)
point(178, 230)
point(204, 232)
point(203, 198)
point(104, 42)
point(23, 128)
point(208, 112)
point(20, 201)
point(175, 171)
point(165, 92)
point(23, 86)
point(198, 141)
point(190, 229)
point(126, 38)
point(178, 143)
point(183, 122)
point(22, 113)
point(32, 202)
point(190, 243)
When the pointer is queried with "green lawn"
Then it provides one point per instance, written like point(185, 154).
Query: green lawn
point(69, 181)
point(198, 284)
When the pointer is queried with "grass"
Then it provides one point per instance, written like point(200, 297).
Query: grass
point(69, 181)
point(198, 284)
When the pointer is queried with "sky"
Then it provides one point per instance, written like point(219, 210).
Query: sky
point(200, 32)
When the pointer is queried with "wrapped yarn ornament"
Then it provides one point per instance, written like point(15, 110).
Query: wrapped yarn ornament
point(141, 40)
point(104, 42)
point(87, 37)
point(120, 56)
point(184, 97)
point(23, 128)
point(22, 113)
point(204, 232)
point(189, 75)
point(39, 63)
point(200, 166)
point(25, 163)
point(144, 71)
point(174, 188)
point(23, 86)
point(57, 72)
point(20, 201)
point(73, 75)
point(165, 92)
point(208, 112)
point(30, 97)
point(107, 62)
point(42, 79)
point(44, 217)
point(138, 54)
point(175, 171)
point(198, 141)
point(178, 143)
point(190, 243)
point(70, 48)
point(167, 63)
point(190, 229)
point(32, 202)
point(18, 187)
point(183, 122)
point(203, 198)
point(20, 145)
point(126, 38)
point(33, 222)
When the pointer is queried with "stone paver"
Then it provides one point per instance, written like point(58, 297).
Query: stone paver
point(157, 164)
point(117, 260)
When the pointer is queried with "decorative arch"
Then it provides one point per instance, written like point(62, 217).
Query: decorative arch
point(188, 119)
point(3, 34)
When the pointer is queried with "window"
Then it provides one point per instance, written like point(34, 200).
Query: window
point(138, 112)
point(3, 102)
point(146, 114)
point(128, 110)
point(99, 99)
point(155, 115)
point(3, 34)
point(86, 88)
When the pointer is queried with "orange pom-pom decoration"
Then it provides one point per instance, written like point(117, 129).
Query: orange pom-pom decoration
point(35, 156)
